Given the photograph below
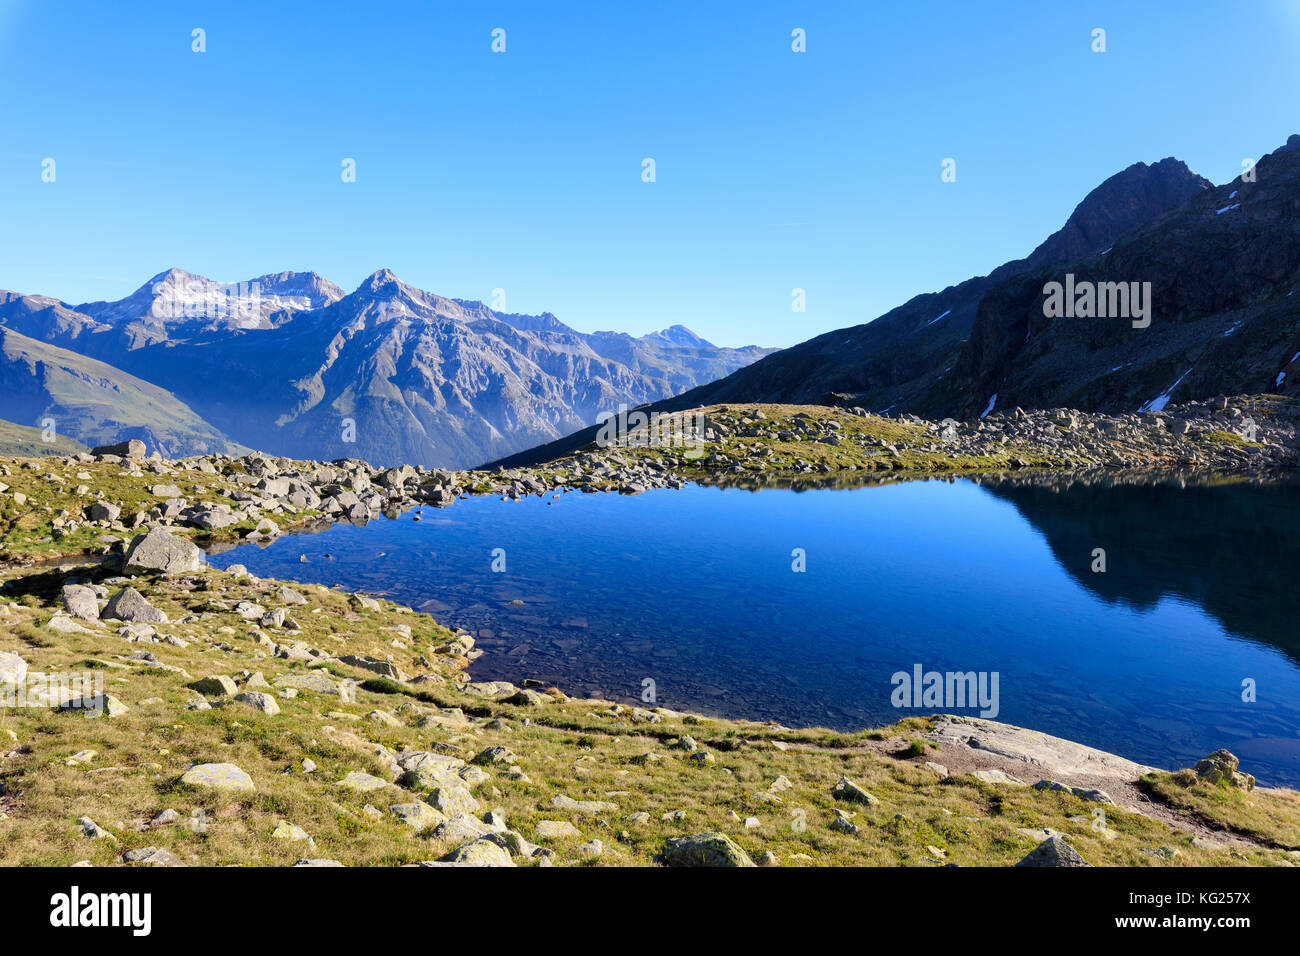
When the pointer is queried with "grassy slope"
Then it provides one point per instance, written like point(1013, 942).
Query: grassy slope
point(586, 750)
point(99, 402)
point(20, 440)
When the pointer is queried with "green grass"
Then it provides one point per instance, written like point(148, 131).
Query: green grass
point(28, 529)
point(1270, 817)
point(1228, 439)
point(584, 749)
point(25, 442)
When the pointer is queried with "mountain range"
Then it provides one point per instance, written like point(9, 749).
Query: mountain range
point(291, 364)
point(1222, 263)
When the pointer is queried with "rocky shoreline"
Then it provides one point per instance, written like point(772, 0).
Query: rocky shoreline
point(1244, 435)
point(307, 725)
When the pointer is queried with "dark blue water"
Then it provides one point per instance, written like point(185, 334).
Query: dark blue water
point(695, 590)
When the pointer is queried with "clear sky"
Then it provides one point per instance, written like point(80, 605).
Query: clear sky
point(522, 170)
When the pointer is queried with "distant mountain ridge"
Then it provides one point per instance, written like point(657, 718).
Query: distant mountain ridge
point(291, 364)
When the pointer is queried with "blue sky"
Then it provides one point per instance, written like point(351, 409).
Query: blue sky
point(522, 170)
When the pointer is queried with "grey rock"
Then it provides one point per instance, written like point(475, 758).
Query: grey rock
point(218, 685)
point(81, 602)
point(478, 853)
point(556, 830)
point(134, 448)
point(96, 705)
point(705, 849)
point(152, 856)
point(13, 669)
point(1053, 851)
point(218, 776)
point(130, 605)
point(846, 789)
point(103, 511)
point(419, 816)
point(160, 551)
point(259, 701)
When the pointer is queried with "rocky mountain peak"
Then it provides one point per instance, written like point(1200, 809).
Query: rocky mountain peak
point(1131, 197)
point(679, 336)
point(381, 282)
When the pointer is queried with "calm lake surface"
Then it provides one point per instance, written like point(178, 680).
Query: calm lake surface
point(695, 590)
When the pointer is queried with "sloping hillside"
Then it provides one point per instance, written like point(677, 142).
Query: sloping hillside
point(96, 403)
point(25, 442)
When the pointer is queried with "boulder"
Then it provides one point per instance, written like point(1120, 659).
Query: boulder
point(130, 605)
point(134, 448)
point(250, 611)
point(211, 520)
point(997, 776)
point(218, 776)
point(314, 681)
point(96, 705)
point(556, 829)
point(1053, 851)
point(81, 602)
point(65, 625)
point(289, 596)
point(161, 551)
point(291, 831)
point(478, 853)
point(453, 799)
point(13, 669)
point(375, 665)
point(1221, 767)
point(103, 511)
point(495, 755)
point(218, 685)
point(461, 828)
point(259, 701)
point(705, 849)
point(526, 698)
point(419, 816)
point(152, 856)
point(356, 780)
point(843, 822)
point(846, 789)
point(564, 802)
